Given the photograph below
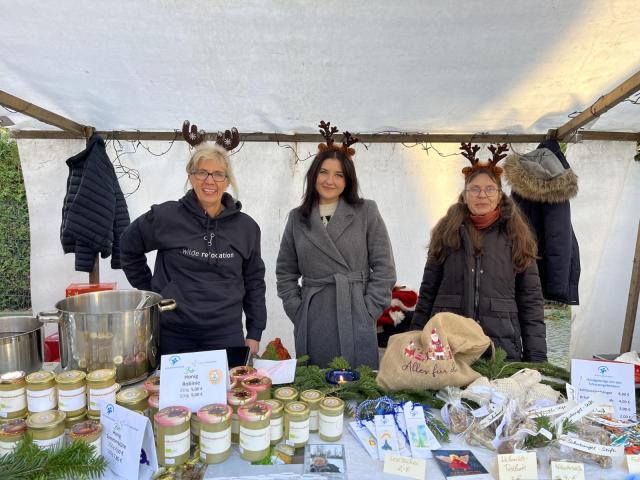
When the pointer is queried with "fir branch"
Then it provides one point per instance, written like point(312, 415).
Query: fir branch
point(339, 363)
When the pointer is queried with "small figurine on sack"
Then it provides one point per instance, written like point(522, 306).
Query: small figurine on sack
point(397, 317)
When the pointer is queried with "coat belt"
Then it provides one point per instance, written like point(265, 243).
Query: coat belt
point(344, 318)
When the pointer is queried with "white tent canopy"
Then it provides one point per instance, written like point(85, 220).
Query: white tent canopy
point(414, 66)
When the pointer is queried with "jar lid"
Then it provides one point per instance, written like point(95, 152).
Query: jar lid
point(70, 377)
point(95, 418)
point(296, 408)
point(13, 377)
point(311, 396)
point(85, 429)
point(45, 420)
point(240, 396)
point(242, 372)
point(154, 400)
point(277, 407)
point(333, 404)
point(172, 416)
point(286, 393)
point(13, 427)
point(256, 382)
point(101, 375)
point(132, 395)
point(255, 412)
point(152, 384)
point(214, 413)
point(42, 376)
point(73, 420)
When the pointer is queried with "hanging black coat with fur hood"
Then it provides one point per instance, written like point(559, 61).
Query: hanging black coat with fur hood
point(542, 183)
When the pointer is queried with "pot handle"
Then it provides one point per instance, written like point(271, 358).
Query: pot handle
point(52, 316)
point(167, 304)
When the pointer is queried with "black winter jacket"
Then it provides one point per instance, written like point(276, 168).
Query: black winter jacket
point(542, 183)
point(94, 211)
point(211, 266)
point(507, 305)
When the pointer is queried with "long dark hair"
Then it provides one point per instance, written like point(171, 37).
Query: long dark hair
point(350, 192)
point(445, 236)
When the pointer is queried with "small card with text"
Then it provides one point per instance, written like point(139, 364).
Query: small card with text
point(405, 466)
point(518, 466)
point(633, 462)
point(567, 471)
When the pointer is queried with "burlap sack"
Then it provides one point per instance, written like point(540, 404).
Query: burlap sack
point(436, 357)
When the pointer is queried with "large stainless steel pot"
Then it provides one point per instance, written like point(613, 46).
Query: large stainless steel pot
point(21, 344)
point(118, 328)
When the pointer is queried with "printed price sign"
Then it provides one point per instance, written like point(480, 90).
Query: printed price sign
point(127, 441)
point(194, 380)
point(613, 380)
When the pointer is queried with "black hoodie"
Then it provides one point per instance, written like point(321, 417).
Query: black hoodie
point(211, 266)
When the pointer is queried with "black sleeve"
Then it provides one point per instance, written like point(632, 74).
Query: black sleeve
point(531, 315)
point(138, 239)
point(558, 239)
point(253, 303)
point(428, 290)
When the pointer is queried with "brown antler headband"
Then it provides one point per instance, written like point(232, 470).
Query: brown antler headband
point(228, 140)
point(469, 152)
point(327, 131)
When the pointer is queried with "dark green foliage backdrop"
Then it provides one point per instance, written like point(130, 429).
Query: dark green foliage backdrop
point(14, 230)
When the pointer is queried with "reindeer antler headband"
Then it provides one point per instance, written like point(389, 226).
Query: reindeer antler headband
point(228, 140)
point(327, 131)
point(469, 152)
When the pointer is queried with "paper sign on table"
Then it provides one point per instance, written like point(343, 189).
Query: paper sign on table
point(127, 441)
point(518, 466)
point(405, 466)
point(365, 437)
point(633, 462)
point(386, 435)
point(567, 471)
point(279, 371)
point(614, 380)
point(194, 380)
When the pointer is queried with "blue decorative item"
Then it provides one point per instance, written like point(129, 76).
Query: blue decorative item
point(339, 377)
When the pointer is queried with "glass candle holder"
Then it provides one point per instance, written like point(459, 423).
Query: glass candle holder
point(340, 377)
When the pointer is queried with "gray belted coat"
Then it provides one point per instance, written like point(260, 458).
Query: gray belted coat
point(347, 273)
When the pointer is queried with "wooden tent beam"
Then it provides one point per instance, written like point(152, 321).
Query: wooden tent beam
point(39, 113)
point(316, 138)
point(602, 105)
point(632, 300)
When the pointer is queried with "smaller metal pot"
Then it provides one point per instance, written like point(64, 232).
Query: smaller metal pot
point(21, 344)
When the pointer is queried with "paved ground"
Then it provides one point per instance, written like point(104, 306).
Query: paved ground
point(558, 334)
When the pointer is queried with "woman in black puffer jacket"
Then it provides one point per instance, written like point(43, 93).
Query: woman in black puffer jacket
point(482, 265)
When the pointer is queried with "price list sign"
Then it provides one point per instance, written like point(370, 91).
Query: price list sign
point(615, 381)
point(194, 380)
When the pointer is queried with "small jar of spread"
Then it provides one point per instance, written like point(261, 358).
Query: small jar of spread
point(237, 397)
point(47, 428)
point(331, 419)
point(277, 417)
point(259, 385)
point(72, 394)
point(13, 395)
point(41, 391)
point(71, 421)
point(286, 395)
point(134, 398)
point(215, 432)
point(296, 423)
point(172, 435)
point(88, 432)
point(101, 385)
point(237, 374)
point(11, 433)
point(255, 431)
point(312, 399)
point(152, 384)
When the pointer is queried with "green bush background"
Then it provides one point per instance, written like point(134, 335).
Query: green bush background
point(14, 230)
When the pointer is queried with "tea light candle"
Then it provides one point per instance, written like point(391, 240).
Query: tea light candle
point(340, 377)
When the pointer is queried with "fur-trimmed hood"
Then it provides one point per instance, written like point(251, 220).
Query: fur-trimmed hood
point(542, 175)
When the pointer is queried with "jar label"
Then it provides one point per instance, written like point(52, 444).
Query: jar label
point(331, 426)
point(107, 394)
point(41, 400)
point(276, 428)
point(215, 442)
point(313, 420)
point(176, 445)
point(72, 400)
point(7, 447)
point(235, 424)
point(12, 401)
point(299, 431)
point(255, 440)
point(96, 443)
point(51, 443)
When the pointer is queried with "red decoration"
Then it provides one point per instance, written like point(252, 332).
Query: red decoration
point(402, 300)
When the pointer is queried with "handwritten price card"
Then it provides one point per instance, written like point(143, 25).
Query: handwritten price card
point(405, 466)
point(518, 466)
point(567, 471)
point(194, 379)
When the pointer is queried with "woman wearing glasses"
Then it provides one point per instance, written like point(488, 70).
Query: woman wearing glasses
point(208, 260)
point(482, 265)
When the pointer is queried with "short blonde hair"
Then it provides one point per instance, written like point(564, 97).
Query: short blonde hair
point(215, 152)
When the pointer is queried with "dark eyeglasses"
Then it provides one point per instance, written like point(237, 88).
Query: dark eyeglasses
point(489, 191)
point(203, 174)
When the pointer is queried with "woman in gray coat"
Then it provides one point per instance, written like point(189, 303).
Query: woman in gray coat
point(337, 244)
